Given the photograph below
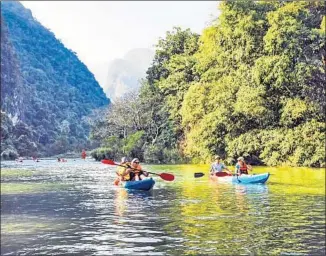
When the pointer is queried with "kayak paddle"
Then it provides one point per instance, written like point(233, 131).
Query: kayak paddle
point(218, 174)
point(198, 174)
point(222, 174)
point(164, 176)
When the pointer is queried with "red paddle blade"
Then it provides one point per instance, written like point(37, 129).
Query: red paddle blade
point(167, 176)
point(108, 161)
point(221, 174)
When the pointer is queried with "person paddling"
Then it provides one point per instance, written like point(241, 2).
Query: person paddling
point(218, 166)
point(124, 174)
point(19, 159)
point(139, 173)
point(241, 167)
point(83, 154)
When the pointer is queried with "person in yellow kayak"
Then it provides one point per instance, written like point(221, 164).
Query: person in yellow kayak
point(218, 166)
point(139, 173)
point(241, 167)
point(124, 174)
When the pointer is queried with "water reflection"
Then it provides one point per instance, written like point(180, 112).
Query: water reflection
point(87, 215)
point(120, 202)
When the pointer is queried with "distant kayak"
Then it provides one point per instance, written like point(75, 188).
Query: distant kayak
point(146, 184)
point(244, 178)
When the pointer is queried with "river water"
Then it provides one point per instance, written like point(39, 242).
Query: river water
point(72, 208)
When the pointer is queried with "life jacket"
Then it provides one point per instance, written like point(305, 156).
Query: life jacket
point(243, 169)
point(136, 171)
point(122, 169)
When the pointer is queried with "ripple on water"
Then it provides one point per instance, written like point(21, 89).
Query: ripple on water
point(188, 216)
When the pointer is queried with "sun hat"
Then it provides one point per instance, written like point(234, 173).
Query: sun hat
point(217, 157)
point(135, 160)
point(240, 158)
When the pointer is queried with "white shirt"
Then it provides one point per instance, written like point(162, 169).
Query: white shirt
point(217, 167)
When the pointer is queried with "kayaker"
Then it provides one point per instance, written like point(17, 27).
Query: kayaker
point(241, 167)
point(124, 174)
point(83, 154)
point(218, 166)
point(140, 174)
point(19, 159)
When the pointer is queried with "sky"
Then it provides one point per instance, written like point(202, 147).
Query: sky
point(100, 31)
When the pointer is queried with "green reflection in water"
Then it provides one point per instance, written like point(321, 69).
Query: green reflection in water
point(16, 173)
point(287, 180)
point(295, 181)
point(26, 188)
point(284, 216)
point(25, 227)
point(23, 230)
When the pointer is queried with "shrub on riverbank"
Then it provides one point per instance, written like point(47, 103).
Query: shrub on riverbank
point(102, 153)
point(251, 85)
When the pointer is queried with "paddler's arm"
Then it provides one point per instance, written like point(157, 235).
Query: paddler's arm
point(128, 170)
point(144, 172)
point(227, 170)
point(237, 169)
point(211, 171)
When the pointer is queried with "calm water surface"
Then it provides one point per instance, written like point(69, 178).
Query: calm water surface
point(51, 208)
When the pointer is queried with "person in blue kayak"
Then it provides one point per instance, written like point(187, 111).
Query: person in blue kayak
point(139, 173)
point(218, 166)
point(241, 167)
point(123, 172)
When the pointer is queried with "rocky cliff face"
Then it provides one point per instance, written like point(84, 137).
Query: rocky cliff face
point(46, 91)
point(11, 81)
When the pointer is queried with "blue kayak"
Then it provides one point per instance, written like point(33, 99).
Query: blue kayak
point(146, 184)
point(244, 178)
point(251, 179)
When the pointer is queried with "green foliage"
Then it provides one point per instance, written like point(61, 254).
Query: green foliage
point(153, 154)
point(175, 57)
point(103, 153)
point(302, 146)
point(256, 65)
point(295, 111)
point(251, 85)
point(173, 156)
point(133, 143)
point(52, 88)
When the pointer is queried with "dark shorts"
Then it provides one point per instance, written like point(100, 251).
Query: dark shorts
point(132, 175)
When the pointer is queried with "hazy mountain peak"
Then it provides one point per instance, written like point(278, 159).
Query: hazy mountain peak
point(124, 74)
